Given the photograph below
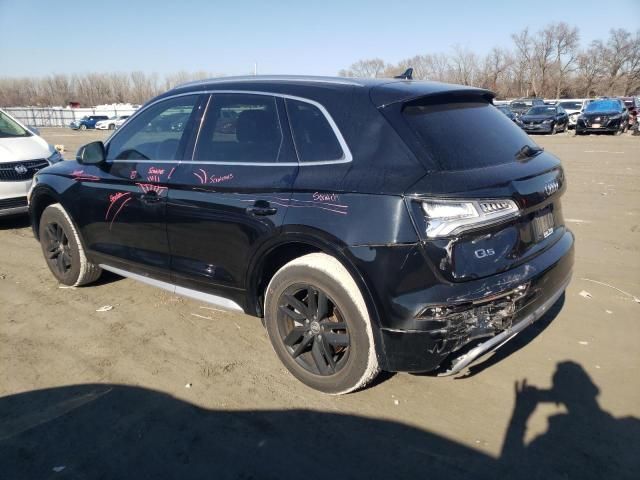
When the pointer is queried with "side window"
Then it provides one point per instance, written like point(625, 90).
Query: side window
point(314, 138)
point(156, 133)
point(240, 128)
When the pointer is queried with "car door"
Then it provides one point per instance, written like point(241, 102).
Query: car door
point(121, 204)
point(232, 197)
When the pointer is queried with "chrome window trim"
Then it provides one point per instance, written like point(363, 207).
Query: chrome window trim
point(346, 152)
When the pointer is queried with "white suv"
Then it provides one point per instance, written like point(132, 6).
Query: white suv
point(22, 154)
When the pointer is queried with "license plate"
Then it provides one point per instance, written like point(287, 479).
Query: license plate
point(595, 125)
point(543, 226)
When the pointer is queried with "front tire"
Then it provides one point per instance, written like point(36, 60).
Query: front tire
point(63, 250)
point(83, 127)
point(319, 326)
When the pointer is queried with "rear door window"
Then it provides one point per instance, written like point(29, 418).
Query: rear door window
point(464, 133)
point(240, 128)
point(314, 138)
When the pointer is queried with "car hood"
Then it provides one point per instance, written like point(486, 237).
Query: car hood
point(23, 148)
point(536, 117)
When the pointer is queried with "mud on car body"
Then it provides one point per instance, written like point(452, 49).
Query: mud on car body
point(352, 215)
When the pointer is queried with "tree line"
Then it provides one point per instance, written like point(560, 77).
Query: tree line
point(90, 89)
point(549, 63)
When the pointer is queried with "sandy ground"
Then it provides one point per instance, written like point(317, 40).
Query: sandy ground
point(130, 413)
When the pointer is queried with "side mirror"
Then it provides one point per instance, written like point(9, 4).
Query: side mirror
point(91, 154)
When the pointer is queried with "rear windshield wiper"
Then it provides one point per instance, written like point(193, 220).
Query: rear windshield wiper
point(527, 151)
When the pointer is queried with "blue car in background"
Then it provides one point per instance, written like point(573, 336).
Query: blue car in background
point(87, 122)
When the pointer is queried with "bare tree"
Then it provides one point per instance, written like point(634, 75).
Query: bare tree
point(370, 68)
point(464, 66)
point(495, 68)
point(565, 42)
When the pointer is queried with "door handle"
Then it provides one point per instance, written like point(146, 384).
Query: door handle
point(262, 208)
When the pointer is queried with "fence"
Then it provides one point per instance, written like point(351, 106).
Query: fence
point(61, 117)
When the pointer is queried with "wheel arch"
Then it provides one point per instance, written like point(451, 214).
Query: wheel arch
point(41, 197)
point(290, 245)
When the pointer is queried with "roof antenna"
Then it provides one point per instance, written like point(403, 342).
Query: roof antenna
point(407, 75)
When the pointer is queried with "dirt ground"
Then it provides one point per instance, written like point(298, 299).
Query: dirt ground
point(165, 387)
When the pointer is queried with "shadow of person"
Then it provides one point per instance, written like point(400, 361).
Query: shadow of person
point(123, 432)
point(586, 442)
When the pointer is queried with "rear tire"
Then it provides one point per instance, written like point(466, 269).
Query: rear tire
point(319, 325)
point(63, 250)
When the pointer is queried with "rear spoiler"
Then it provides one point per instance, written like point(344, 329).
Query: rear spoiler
point(407, 91)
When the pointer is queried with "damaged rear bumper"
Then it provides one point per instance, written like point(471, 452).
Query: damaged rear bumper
point(488, 312)
point(459, 363)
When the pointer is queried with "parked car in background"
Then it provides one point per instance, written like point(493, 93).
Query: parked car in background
point(87, 122)
point(603, 115)
point(521, 105)
point(545, 119)
point(22, 154)
point(573, 107)
point(633, 107)
point(510, 115)
point(111, 122)
point(121, 120)
point(373, 223)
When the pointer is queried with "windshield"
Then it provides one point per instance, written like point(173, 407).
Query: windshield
point(465, 133)
point(519, 105)
point(9, 128)
point(542, 111)
point(603, 106)
point(571, 105)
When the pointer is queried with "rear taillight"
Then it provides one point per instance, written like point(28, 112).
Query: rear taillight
point(451, 217)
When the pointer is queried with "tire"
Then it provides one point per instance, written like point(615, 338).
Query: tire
point(553, 129)
point(112, 126)
point(299, 330)
point(63, 250)
point(82, 127)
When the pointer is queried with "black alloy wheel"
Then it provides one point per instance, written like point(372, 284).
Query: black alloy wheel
point(313, 329)
point(57, 249)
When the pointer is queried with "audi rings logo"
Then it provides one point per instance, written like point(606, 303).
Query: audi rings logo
point(551, 188)
point(20, 169)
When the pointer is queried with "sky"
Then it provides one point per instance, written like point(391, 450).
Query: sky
point(42, 37)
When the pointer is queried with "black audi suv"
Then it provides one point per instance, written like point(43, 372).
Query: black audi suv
point(366, 232)
point(545, 119)
point(604, 115)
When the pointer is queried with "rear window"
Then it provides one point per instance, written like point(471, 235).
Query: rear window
point(571, 105)
point(542, 111)
point(465, 133)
